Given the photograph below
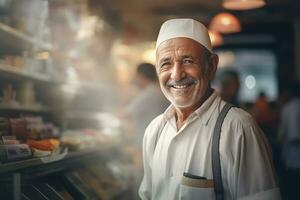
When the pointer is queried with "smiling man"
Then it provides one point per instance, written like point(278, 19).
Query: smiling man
point(184, 155)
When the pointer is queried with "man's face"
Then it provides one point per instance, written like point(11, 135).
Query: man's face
point(185, 70)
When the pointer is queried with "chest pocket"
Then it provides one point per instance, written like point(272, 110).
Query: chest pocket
point(195, 188)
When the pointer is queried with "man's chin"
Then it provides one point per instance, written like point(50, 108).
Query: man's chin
point(180, 104)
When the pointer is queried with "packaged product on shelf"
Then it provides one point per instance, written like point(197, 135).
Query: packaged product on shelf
point(14, 62)
point(10, 140)
point(35, 127)
point(4, 126)
point(26, 93)
point(38, 129)
point(9, 95)
point(14, 152)
point(18, 128)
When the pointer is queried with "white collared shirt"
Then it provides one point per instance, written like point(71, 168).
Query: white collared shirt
point(247, 169)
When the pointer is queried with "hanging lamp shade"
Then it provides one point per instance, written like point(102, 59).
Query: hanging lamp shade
point(243, 4)
point(225, 23)
point(215, 38)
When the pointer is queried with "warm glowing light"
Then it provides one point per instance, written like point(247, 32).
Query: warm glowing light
point(225, 23)
point(149, 56)
point(88, 26)
point(243, 4)
point(215, 38)
point(42, 55)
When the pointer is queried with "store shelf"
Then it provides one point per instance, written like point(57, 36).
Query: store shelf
point(18, 108)
point(79, 115)
point(16, 73)
point(37, 165)
point(15, 42)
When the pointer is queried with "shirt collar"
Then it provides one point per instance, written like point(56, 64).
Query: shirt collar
point(204, 111)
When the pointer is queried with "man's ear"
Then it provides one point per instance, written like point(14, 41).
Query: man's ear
point(213, 65)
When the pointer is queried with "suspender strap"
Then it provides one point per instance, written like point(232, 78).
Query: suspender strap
point(216, 164)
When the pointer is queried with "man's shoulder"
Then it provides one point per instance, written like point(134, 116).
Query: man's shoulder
point(238, 115)
point(154, 125)
point(239, 121)
point(239, 126)
point(151, 133)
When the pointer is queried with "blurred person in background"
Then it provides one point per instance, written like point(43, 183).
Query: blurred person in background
point(230, 85)
point(262, 111)
point(289, 139)
point(178, 144)
point(148, 103)
point(265, 116)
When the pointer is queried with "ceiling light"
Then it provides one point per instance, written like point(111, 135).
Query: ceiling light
point(215, 38)
point(243, 4)
point(225, 23)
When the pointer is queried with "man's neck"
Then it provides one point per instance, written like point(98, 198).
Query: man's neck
point(182, 114)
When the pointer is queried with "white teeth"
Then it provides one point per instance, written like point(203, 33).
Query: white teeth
point(180, 86)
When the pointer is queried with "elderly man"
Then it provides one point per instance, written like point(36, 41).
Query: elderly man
point(188, 151)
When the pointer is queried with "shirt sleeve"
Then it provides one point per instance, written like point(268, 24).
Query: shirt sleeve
point(252, 172)
point(145, 190)
point(146, 185)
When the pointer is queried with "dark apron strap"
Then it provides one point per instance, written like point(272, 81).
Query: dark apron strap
point(216, 164)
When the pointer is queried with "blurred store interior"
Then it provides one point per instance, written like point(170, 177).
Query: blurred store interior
point(68, 74)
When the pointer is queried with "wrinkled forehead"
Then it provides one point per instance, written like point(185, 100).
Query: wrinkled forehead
point(180, 47)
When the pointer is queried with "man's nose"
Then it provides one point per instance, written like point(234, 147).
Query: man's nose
point(177, 72)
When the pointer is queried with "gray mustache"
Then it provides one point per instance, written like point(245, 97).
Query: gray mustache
point(185, 81)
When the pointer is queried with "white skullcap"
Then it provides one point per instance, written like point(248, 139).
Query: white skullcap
point(188, 28)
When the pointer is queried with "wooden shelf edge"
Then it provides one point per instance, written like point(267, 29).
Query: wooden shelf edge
point(24, 37)
point(25, 108)
point(36, 162)
point(14, 71)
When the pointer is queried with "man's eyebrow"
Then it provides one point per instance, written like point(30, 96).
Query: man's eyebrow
point(186, 56)
point(167, 59)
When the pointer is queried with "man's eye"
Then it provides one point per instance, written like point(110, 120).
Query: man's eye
point(187, 61)
point(165, 64)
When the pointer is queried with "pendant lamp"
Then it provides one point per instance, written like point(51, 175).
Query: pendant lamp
point(243, 4)
point(215, 38)
point(225, 23)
